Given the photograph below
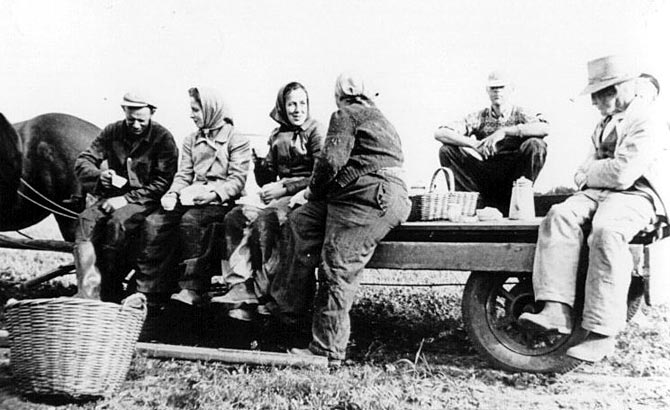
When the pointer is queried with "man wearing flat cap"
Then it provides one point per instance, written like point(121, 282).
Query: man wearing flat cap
point(622, 189)
point(493, 147)
point(141, 160)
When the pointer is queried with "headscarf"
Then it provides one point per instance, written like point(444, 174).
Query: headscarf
point(349, 86)
point(279, 113)
point(215, 111)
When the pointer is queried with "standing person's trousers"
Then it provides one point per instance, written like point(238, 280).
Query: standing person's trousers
point(615, 218)
point(493, 177)
point(342, 233)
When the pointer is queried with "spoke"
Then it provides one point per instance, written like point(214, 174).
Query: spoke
point(506, 294)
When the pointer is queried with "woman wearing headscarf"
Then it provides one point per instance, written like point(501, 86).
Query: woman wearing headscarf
point(212, 173)
point(355, 197)
point(285, 171)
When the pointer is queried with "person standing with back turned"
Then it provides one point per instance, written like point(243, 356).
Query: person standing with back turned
point(355, 197)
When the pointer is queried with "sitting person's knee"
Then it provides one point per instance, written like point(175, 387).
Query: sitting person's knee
point(189, 219)
point(153, 224)
point(560, 213)
point(602, 235)
point(447, 152)
point(234, 218)
point(534, 146)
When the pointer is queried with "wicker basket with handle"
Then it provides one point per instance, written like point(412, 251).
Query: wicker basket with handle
point(72, 347)
point(434, 205)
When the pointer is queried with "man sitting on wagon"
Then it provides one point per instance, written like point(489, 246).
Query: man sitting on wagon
point(141, 158)
point(491, 148)
point(622, 190)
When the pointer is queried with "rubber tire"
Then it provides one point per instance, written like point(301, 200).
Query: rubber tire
point(478, 288)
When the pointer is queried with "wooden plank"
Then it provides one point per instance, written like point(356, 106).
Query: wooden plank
point(501, 231)
point(236, 356)
point(35, 244)
point(504, 224)
point(509, 257)
point(45, 277)
point(230, 355)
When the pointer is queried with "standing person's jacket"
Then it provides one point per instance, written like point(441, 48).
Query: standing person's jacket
point(360, 141)
point(148, 162)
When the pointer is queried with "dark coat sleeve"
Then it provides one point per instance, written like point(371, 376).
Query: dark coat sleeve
point(162, 174)
point(265, 170)
point(87, 164)
point(335, 152)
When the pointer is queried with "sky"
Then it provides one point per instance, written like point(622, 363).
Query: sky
point(428, 59)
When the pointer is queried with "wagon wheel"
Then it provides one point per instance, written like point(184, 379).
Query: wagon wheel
point(492, 303)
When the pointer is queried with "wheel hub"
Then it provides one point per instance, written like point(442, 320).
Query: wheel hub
point(506, 302)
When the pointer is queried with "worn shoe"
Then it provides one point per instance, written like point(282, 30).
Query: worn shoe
point(593, 349)
point(237, 295)
point(263, 310)
point(541, 321)
point(306, 352)
point(188, 297)
point(242, 314)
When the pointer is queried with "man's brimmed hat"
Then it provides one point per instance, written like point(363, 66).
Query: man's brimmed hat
point(606, 71)
point(136, 101)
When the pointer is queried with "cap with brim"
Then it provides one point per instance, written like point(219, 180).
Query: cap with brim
point(607, 71)
point(135, 101)
point(497, 79)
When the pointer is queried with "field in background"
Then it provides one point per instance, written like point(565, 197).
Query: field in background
point(408, 351)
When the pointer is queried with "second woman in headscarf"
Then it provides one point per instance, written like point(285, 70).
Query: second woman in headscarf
point(212, 174)
point(283, 173)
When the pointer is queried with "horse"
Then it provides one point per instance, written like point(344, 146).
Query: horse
point(37, 170)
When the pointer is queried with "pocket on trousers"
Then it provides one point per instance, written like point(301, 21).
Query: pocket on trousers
point(383, 197)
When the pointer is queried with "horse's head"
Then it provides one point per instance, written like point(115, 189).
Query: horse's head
point(10, 162)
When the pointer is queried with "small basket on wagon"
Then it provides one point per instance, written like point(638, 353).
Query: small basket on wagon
point(450, 204)
point(70, 347)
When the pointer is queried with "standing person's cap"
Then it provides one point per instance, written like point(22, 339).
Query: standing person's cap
point(497, 79)
point(352, 85)
point(606, 71)
point(134, 100)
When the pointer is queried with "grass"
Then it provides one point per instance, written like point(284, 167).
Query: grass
point(408, 351)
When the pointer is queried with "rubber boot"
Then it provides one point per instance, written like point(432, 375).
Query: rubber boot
point(112, 270)
point(88, 275)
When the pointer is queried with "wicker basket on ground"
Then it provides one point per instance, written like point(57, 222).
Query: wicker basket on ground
point(71, 347)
